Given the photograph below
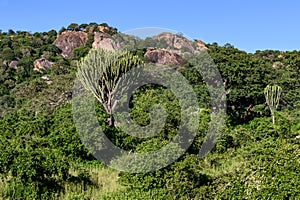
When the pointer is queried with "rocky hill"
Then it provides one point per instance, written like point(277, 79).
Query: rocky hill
point(175, 45)
point(42, 155)
point(25, 54)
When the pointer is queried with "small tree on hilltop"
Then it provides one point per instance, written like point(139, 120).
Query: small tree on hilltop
point(73, 27)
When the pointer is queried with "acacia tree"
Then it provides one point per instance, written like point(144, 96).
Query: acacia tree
point(100, 71)
point(272, 94)
point(73, 27)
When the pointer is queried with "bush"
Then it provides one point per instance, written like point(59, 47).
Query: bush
point(27, 157)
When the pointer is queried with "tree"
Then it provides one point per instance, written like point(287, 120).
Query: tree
point(8, 54)
point(104, 24)
point(245, 78)
point(73, 27)
point(51, 36)
point(62, 30)
point(83, 26)
point(26, 155)
point(272, 94)
point(107, 68)
point(11, 32)
point(80, 52)
point(93, 24)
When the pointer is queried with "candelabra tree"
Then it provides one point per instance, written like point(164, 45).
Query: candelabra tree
point(100, 71)
point(272, 95)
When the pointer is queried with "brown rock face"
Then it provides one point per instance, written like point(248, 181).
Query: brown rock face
point(103, 29)
point(105, 41)
point(201, 44)
point(41, 64)
point(13, 64)
point(163, 56)
point(69, 40)
point(180, 43)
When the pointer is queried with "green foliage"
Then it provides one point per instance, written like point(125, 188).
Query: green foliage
point(180, 178)
point(268, 171)
point(100, 72)
point(73, 27)
point(83, 26)
point(7, 54)
point(80, 52)
point(63, 134)
point(245, 78)
point(62, 30)
point(157, 193)
point(39, 144)
point(26, 155)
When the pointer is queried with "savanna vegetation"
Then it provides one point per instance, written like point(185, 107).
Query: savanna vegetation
point(42, 156)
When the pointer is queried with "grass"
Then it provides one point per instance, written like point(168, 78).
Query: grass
point(103, 182)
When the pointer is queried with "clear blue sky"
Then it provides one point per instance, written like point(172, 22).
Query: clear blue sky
point(248, 25)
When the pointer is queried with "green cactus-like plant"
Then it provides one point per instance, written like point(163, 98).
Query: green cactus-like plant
point(100, 71)
point(272, 95)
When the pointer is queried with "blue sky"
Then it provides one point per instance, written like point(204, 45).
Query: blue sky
point(248, 25)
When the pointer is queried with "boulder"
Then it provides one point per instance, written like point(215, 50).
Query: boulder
point(69, 40)
point(105, 41)
point(103, 29)
point(13, 64)
point(41, 64)
point(201, 45)
point(45, 78)
point(181, 43)
point(175, 41)
point(163, 56)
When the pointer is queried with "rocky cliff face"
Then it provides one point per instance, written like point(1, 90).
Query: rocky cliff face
point(176, 45)
point(105, 41)
point(181, 43)
point(163, 56)
point(68, 40)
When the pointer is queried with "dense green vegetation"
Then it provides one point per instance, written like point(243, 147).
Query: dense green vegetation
point(42, 156)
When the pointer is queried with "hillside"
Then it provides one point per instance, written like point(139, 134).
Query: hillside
point(43, 157)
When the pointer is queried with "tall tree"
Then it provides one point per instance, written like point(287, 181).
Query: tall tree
point(100, 71)
point(272, 94)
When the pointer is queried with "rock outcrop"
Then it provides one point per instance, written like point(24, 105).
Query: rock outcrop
point(105, 41)
point(176, 45)
point(103, 29)
point(163, 56)
point(68, 40)
point(201, 44)
point(181, 43)
point(41, 64)
point(13, 64)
